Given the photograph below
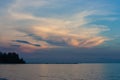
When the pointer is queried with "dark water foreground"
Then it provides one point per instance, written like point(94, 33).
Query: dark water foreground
point(3, 79)
point(60, 72)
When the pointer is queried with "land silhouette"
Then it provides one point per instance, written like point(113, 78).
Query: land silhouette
point(10, 58)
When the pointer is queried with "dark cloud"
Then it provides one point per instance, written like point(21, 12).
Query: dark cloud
point(35, 37)
point(26, 42)
point(56, 43)
point(37, 45)
point(14, 45)
point(22, 41)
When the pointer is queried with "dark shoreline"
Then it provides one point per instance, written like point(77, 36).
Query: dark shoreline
point(10, 58)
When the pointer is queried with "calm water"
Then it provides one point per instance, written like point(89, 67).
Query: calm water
point(60, 72)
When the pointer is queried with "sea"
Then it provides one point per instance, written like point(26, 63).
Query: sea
point(96, 71)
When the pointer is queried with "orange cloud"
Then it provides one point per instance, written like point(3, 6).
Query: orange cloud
point(68, 31)
point(89, 38)
point(94, 41)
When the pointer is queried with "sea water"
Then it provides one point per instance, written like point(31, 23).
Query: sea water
point(60, 71)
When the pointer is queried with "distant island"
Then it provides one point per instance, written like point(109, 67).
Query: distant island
point(10, 58)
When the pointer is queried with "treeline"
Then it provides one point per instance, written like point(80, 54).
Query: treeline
point(10, 58)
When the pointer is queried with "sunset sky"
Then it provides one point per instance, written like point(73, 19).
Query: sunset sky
point(49, 27)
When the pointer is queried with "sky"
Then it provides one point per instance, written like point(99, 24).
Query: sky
point(54, 29)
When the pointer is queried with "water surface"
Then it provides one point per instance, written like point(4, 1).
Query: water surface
point(60, 71)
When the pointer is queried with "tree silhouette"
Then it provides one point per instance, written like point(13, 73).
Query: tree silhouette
point(11, 58)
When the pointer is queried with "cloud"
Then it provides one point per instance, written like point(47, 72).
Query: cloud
point(57, 36)
point(14, 45)
point(26, 42)
point(72, 30)
point(21, 41)
point(65, 32)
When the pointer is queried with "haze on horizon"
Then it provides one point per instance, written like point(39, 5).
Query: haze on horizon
point(57, 29)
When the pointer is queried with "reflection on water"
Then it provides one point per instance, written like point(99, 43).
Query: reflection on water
point(60, 72)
